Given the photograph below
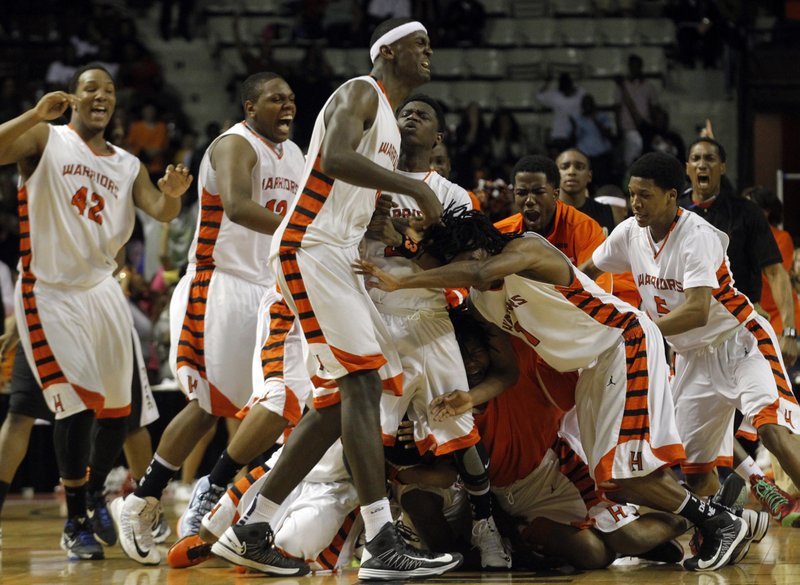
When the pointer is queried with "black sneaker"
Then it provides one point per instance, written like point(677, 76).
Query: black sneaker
point(389, 557)
point(79, 542)
point(721, 535)
point(757, 526)
point(732, 493)
point(251, 546)
point(100, 518)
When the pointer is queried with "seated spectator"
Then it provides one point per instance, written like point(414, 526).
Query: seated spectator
point(148, 139)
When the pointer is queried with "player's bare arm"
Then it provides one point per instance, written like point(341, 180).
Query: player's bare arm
point(234, 160)
point(164, 201)
point(590, 269)
point(693, 313)
point(25, 136)
point(381, 227)
point(351, 112)
point(781, 286)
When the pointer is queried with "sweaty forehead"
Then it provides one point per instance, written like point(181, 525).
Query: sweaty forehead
point(94, 75)
point(572, 157)
point(273, 86)
point(417, 106)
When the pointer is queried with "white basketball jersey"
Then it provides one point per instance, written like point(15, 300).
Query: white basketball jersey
point(329, 211)
point(383, 256)
point(76, 211)
point(569, 326)
point(693, 254)
point(229, 246)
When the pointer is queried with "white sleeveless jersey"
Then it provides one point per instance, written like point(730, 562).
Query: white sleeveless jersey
point(693, 254)
point(229, 246)
point(76, 211)
point(330, 211)
point(449, 194)
point(569, 326)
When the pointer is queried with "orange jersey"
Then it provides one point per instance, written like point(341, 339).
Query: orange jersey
point(520, 425)
point(784, 241)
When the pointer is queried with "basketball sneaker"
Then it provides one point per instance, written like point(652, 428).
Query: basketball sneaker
point(160, 529)
point(251, 546)
point(134, 517)
point(100, 518)
point(757, 526)
point(732, 493)
point(204, 496)
point(490, 544)
point(79, 542)
point(389, 557)
point(721, 535)
point(219, 519)
point(784, 508)
point(188, 551)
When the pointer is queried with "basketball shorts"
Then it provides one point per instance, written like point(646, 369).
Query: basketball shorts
point(745, 372)
point(625, 410)
point(342, 327)
point(213, 319)
point(280, 378)
point(78, 342)
point(432, 366)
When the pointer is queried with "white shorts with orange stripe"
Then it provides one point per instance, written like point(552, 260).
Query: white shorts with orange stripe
point(80, 345)
point(213, 320)
point(317, 522)
point(342, 327)
point(432, 366)
point(547, 492)
point(625, 410)
point(745, 371)
point(280, 377)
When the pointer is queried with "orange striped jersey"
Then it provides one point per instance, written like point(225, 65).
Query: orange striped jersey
point(786, 246)
point(692, 254)
point(229, 246)
point(329, 211)
point(568, 326)
point(541, 394)
point(449, 194)
point(76, 211)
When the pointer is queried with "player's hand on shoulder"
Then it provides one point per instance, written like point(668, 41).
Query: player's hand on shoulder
point(430, 206)
point(52, 105)
point(176, 181)
point(450, 405)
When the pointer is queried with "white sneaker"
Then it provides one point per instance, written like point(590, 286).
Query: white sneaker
point(134, 517)
point(204, 497)
point(219, 519)
point(488, 540)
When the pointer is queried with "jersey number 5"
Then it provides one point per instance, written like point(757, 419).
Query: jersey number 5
point(98, 203)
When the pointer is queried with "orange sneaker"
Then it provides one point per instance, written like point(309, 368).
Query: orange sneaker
point(188, 551)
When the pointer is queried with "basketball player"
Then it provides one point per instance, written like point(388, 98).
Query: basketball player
point(529, 289)
point(727, 356)
point(76, 206)
point(248, 177)
point(418, 323)
point(355, 140)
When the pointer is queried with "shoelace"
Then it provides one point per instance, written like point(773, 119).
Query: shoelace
point(773, 498)
point(494, 545)
point(406, 532)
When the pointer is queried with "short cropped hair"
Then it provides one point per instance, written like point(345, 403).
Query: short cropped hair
point(663, 169)
point(432, 102)
point(73, 82)
point(720, 148)
point(252, 86)
point(537, 163)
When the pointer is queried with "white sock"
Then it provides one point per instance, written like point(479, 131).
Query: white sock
point(748, 467)
point(375, 515)
point(261, 510)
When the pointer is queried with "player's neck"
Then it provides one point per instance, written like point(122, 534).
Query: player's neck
point(95, 139)
point(414, 161)
point(660, 229)
point(703, 198)
point(396, 90)
point(574, 199)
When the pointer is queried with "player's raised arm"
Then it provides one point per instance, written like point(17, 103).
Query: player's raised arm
point(162, 202)
point(25, 136)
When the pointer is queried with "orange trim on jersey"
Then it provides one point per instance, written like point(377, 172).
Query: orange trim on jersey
point(735, 302)
point(669, 454)
point(220, 405)
point(771, 354)
point(25, 252)
point(424, 445)
point(191, 343)
point(292, 411)
point(114, 412)
point(575, 469)
point(313, 196)
point(326, 400)
point(383, 91)
point(459, 443)
point(323, 382)
point(746, 435)
point(305, 312)
point(281, 320)
point(699, 468)
point(656, 253)
point(47, 367)
point(273, 146)
point(89, 146)
point(93, 400)
point(330, 555)
point(211, 214)
point(766, 416)
point(238, 489)
point(393, 384)
point(355, 363)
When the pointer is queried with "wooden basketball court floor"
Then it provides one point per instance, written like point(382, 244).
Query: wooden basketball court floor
point(31, 555)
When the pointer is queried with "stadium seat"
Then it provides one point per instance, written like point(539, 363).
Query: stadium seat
point(565, 60)
point(618, 32)
point(482, 92)
point(530, 8)
point(577, 32)
point(288, 55)
point(537, 32)
point(655, 62)
point(496, 7)
point(526, 64)
point(500, 32)
point(517, 95)
point(571, 7)
point(657, 31)
point(606, 62)
point(339, 62)
point(438, 90)
point(449, 63)
point(604, 91)
point(485, 63)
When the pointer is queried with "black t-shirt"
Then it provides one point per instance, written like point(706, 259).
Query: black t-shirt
point(600, 212)
point(751, 247)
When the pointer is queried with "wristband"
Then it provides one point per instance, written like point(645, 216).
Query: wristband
point(408, 248)
point(789, 332)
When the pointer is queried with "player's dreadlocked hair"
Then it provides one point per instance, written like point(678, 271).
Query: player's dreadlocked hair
point(463, 231)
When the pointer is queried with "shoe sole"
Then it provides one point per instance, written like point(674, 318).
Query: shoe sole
point(99, 536)
point(725, 558)
point(791, 520)
point(188, 552)
point(73, 556)
point(222, 551)
point(756, 531)
point(367, 574)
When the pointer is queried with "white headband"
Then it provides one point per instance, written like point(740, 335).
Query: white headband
point(395, 35)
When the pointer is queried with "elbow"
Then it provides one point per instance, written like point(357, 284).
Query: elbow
point(330, 163)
